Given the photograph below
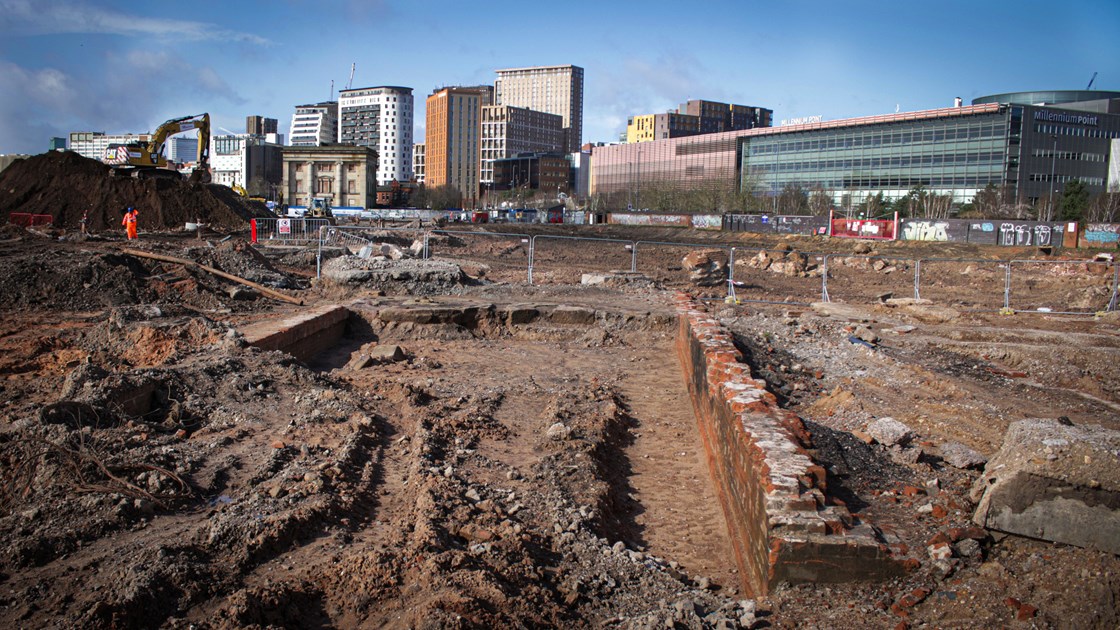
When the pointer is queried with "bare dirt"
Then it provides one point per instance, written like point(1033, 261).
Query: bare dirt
point(158, 472)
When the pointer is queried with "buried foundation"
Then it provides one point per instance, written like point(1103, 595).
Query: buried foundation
point(782, 525)
point(766, 502)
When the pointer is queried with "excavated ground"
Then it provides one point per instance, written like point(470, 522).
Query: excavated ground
point(157, 471)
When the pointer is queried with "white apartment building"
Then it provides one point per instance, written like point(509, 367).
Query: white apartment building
point(507, 131)
point(552, 89)
point(238, 159)
point(315, 124)
point(418, 162)
point(92, 144)
point(379, 118)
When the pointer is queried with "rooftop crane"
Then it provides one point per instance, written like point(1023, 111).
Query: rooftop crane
point(1090, 86)
point(351, 81)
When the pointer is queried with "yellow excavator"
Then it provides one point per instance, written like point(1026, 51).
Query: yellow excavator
point(147, 160)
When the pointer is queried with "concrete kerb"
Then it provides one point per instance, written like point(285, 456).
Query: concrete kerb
point(772, 493)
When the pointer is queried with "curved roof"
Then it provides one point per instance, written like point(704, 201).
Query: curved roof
point(1047, 97)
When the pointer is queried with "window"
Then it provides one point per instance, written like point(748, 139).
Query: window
point(352, 186)
point(325, 185)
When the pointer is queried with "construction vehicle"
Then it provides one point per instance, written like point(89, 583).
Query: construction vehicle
point(319, 208)
point(239, 190)
point(145, 161)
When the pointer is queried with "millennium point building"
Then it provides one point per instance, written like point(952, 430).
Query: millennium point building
point(1007, 140)
point(379, 118)
point(552, 89)
point(452, 141)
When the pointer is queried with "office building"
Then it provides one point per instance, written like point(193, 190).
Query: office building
point(694, 118)
point(546, 172)
point(380, 118)
point(1030, 143)
point(347, 175)
point(551, 89)
point(315, 124)
point(452, 142)
point(250, 161)
point(508, 131)
point(182, 149)
point(259, 125)
point(58, 144)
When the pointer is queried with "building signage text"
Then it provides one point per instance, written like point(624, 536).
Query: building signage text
point(1063, 117)
point(805, 120)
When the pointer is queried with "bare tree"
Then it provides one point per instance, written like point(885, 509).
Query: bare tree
point(1105, 207)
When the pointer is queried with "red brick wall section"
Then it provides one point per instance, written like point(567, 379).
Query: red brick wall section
point(771, 491)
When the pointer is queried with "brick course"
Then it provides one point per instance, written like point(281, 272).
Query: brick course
point(772, 493)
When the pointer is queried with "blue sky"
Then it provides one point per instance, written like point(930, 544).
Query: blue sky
point(71, 65)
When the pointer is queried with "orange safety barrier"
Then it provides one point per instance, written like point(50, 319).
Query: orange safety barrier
point(24, 219)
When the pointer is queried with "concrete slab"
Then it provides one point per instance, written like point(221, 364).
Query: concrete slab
point(1054, 482)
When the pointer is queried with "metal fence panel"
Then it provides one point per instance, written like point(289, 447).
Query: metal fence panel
point(287, 230)
point(665, 262)
point(564, 259)
point(771, 275)
point(868, 279)
point(504, 255)
point(1061, 286)
point(968, 284)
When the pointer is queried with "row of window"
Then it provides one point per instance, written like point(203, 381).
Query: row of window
point(876, 139)
point(1070, 155)
point(994, 158)
point(1079, 132)
point(1062, 179)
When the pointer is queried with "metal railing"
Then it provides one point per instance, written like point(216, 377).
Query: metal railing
point(286, 230)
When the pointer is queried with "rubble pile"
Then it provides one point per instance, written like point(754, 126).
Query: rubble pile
point(68, 186)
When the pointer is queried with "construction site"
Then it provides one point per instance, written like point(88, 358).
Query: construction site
point(431, 428)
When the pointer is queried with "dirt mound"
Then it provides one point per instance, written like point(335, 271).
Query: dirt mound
point(66, 185)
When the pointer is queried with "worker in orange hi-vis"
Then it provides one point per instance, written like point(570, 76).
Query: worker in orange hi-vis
point(129, 223)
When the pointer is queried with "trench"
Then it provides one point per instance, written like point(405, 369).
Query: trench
point(663, 501)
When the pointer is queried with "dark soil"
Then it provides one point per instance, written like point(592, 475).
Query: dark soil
point(67, 186)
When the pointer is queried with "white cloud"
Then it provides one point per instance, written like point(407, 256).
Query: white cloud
point(131, 93)
point(51, 17)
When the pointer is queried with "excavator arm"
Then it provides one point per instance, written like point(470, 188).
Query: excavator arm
point(152, 162)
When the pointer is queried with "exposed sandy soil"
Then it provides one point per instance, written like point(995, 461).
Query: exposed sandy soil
point(156, 471)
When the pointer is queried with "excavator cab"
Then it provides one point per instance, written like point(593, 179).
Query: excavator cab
point(319, 208)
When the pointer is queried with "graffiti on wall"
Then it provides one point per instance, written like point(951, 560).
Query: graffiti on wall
point(707, 221)
point(1102, 233)
point(1023, 234)
point(925, 231)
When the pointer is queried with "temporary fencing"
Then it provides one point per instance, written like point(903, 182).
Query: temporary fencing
point(1069, 287)
point(566, 265)
point(26, 220)
point(1075, 287)
point(756, 273)
point(865, 279)
point(504, 250)
point(294, 230)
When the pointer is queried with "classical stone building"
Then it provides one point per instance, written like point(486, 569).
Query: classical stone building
point(345, 174)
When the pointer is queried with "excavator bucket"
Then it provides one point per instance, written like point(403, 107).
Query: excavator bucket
point(200, 176)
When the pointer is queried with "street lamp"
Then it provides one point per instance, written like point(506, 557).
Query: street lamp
point(1053, 163)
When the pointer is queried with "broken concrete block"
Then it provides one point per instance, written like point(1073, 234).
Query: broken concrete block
point(958, 455)
point(359, 361)
point(1054, 482)
point(387, 354)
point(889, 432)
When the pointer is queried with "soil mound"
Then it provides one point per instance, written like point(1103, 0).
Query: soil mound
point(66, 185)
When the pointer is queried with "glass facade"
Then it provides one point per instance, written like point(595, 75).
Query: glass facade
point(957, 156)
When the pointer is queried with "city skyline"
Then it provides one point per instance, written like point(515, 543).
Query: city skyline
point(113, 67)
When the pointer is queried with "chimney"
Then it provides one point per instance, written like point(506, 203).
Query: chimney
point(957, 102)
